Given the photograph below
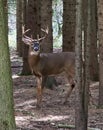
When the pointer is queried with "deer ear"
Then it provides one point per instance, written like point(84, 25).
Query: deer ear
point(26, 41)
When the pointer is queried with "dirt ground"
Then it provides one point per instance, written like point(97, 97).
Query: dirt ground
point(53, 115)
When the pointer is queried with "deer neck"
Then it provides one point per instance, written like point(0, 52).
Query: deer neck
point(34, 58)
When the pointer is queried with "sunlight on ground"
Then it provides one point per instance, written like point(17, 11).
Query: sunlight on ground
point(15, 76)
point(26, 103)
point(52, 118)
point(21, 119)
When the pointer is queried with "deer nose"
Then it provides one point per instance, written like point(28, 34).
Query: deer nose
point(36, 48)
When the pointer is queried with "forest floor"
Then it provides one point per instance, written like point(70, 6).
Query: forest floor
point(53, 115)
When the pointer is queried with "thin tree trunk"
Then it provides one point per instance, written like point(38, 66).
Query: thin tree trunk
point(93, 54)
point(19, 22)
point(87, 64)
point(26, 69)
point(79, 114)
point(100, 35)
point(94, 66)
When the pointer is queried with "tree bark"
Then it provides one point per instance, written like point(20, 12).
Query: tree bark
point(100, 36)
point(78, 50)
point(46, 21)
point(94, 66)
point(69, 15)
point(82, 71)
point(93, 54)
point(31, 22)
point(47, 43)
point(7, 121)
point(86, 76)
point(19, 22)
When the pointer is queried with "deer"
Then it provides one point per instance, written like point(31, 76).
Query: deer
point(46, 64)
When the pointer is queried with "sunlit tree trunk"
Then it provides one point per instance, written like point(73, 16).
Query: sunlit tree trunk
point(7, 121)
point(69, 25)
point(100, 35)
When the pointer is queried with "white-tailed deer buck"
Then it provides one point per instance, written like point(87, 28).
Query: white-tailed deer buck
point(44, 64)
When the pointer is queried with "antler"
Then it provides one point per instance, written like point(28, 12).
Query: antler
point(46, 32)
point(30, 39)
point(26, 37)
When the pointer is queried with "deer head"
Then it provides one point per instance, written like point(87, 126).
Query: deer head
point(34, 44)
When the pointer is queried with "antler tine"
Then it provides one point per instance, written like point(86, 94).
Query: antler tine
point(46, 32)
point(38, 37)
point(23, 30)
point(26, 31)
point(28, 38)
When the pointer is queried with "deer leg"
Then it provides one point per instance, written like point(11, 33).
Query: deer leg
point(72, 85)
point(40, 85)
point(44, 81)
point(39, 90)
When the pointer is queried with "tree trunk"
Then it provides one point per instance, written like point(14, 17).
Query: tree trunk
point(80, 115)
point(83, 80)
point(7, 121)
point(26, 69)
point(100, 35)
point(31, 22)
point(93, 54)
point(47, 43)
point(46, 21)
point(86, 76)
point(19, 22)
point(94, 66)
point(69, 25)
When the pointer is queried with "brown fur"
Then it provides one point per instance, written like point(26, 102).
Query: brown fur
point(45, 64)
